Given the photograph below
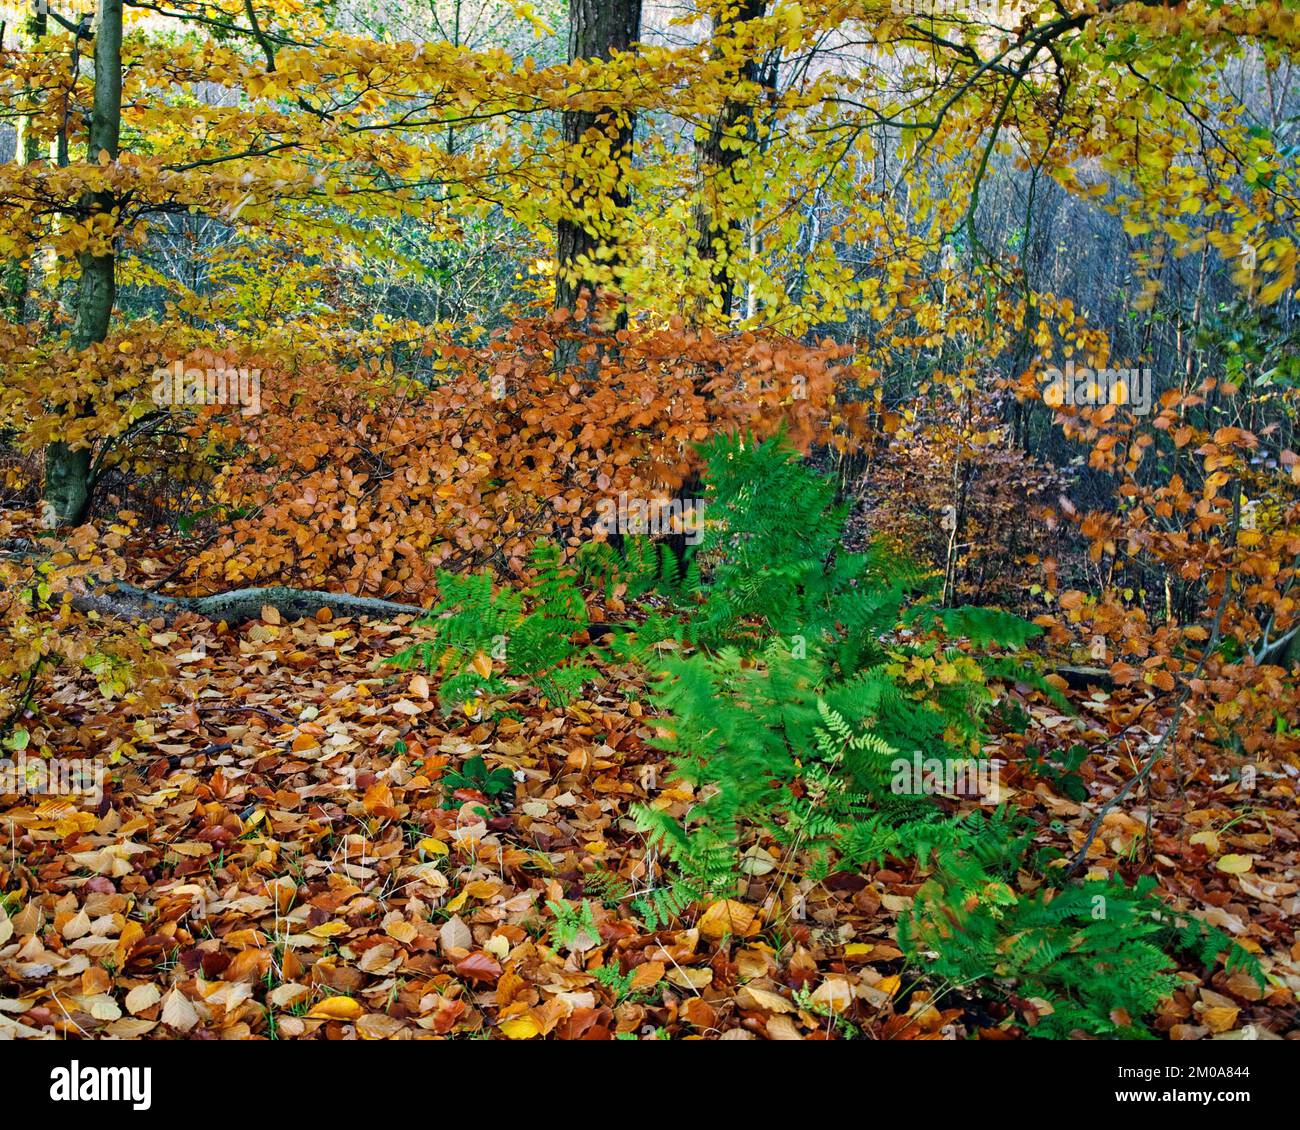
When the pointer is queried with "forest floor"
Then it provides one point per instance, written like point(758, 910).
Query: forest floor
point(275, 855)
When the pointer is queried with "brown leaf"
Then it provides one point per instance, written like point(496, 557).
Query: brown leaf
point(479, 967)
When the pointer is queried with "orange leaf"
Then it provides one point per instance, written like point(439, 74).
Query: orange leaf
point(479, 967)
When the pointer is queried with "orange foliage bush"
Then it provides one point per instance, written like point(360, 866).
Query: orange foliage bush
point(368, 483)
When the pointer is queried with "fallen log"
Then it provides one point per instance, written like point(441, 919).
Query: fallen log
point(235, 607)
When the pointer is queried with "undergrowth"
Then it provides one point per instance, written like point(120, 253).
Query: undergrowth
point(816, 700)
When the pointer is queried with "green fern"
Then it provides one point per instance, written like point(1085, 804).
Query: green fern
point(1096, 953)
point(472, 620)
point(790, 708)
point(607, 887)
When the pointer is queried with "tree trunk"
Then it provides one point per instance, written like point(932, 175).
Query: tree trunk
point(67, 470)
point(597, 28)
point(718, 236)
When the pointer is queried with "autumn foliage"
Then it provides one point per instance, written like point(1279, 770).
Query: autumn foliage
point(820, 265)
point(348, 480)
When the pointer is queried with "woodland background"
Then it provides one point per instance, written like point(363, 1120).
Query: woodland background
point(399, 744)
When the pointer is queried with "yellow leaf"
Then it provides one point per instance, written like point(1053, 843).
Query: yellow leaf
point(520, 1028)
point(329, 929)
point(1220, 1018)
point(750, 996)
point(132, 933)
point(1235, 864)
point(178, 1012)
point(335, 1008)
point(142, 997)
point(403, 932)
point(75, 822)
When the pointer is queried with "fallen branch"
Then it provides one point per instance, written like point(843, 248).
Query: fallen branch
point(235, 607)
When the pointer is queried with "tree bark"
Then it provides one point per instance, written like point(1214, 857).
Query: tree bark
point(597, 28)
point(67, 469)
point(718, 236)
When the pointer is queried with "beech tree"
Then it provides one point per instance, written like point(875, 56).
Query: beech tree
point(600, 141)
point(67, 468)
point(723, 145)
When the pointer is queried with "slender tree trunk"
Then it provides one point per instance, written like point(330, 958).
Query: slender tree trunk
point(597, 28)
point(67, 470)
point(718, 236)
point(17, 279)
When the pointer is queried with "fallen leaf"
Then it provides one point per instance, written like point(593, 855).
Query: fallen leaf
point(142, 997)
point(335, 1008)
point(178, 1012)
point(1235, 864)
point(726, 917)
point(521, 1028)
